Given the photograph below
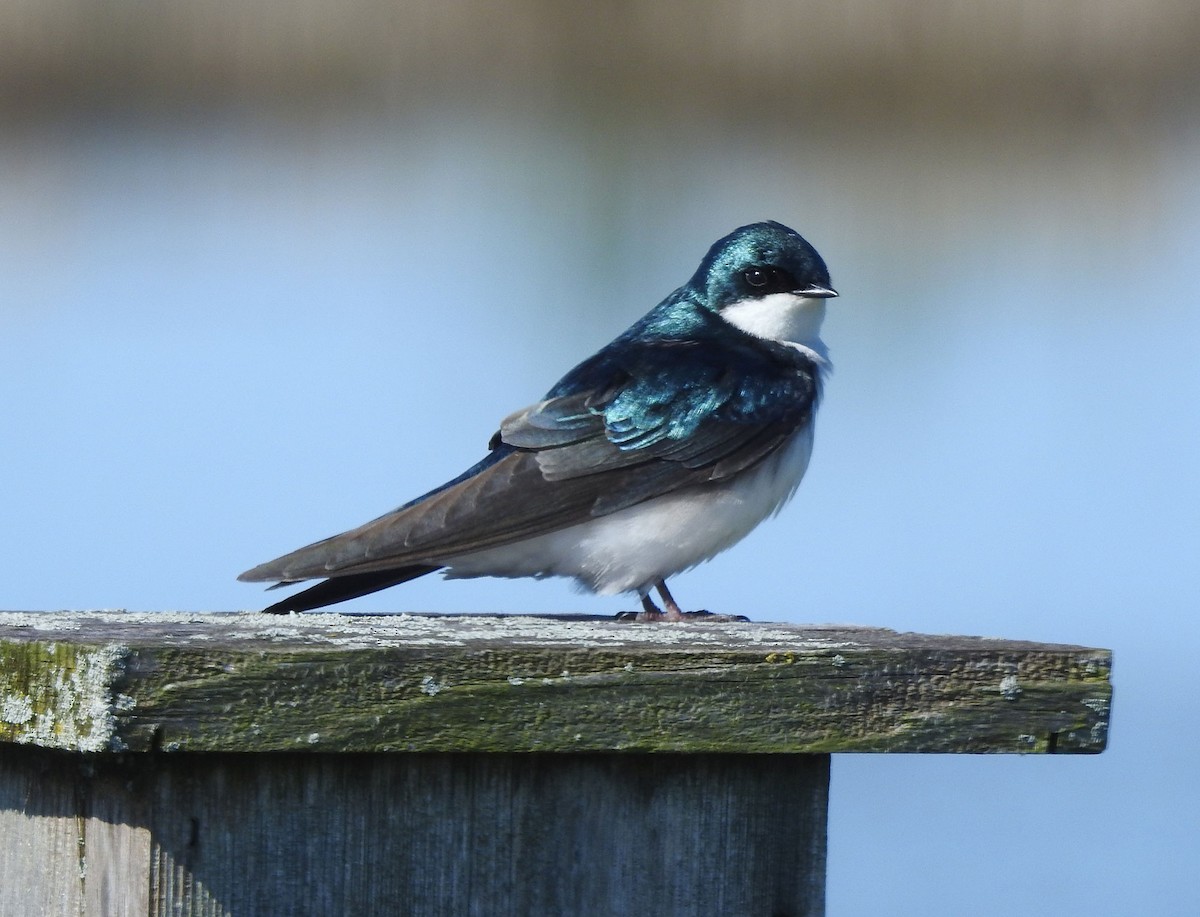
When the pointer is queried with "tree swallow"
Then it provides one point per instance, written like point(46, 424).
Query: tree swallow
point(657, 453)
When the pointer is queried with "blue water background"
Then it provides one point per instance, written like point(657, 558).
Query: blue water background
point(222, 337)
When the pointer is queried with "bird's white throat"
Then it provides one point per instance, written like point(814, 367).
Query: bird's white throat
point(783, 317)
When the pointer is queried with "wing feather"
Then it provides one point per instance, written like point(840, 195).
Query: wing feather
point(642, 418)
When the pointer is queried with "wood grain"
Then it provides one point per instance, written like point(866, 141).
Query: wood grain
point(253, 683)
point(229, 764)
point(423, 835)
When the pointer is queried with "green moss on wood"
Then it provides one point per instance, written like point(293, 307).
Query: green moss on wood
point(800, 691)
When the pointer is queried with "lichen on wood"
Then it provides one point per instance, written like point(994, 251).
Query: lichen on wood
point(249, 682)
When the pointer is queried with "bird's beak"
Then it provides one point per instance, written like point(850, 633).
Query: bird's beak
point(817, 292)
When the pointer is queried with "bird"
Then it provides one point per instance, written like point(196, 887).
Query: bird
point(658, 452)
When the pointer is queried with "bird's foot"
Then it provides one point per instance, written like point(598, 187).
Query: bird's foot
point(650, 614)
point(700, 617)
point(671, 611)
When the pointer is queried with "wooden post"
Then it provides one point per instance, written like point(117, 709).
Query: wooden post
point(324, 764)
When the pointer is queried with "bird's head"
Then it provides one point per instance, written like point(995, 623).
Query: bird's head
point(767, 280)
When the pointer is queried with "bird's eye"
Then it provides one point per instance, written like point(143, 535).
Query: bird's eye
point(767, 279)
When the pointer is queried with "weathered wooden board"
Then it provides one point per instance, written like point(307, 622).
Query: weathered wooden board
point(419, 835)
point(110, 681)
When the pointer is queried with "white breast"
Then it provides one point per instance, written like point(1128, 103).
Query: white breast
point(630, 549)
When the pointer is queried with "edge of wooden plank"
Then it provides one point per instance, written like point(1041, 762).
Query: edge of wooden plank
point(111, 681)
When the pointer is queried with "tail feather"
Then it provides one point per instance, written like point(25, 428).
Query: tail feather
point(341, 588)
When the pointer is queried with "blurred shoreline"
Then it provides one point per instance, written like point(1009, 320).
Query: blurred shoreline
point(1108, 60)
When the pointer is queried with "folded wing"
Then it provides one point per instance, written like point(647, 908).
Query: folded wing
point(638, 420)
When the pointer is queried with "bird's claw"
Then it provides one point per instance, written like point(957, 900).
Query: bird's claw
point(701, 616)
